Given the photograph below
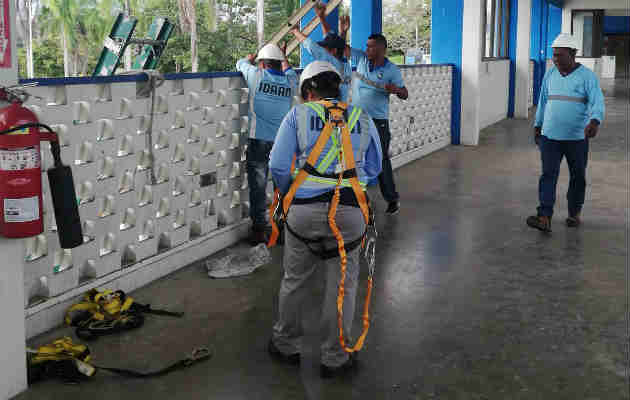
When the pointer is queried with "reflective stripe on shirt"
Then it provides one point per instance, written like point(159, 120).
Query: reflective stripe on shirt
point(573, 99)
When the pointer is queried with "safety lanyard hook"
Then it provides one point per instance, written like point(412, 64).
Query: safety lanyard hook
point(197, 355)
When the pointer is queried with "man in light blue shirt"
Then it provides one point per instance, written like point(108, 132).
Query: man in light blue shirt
point(375, 80)
point(272, 85)
point(570, 110)
point(331, 50)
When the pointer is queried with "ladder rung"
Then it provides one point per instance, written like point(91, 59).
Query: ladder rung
point(294, 19)
point(332, 4)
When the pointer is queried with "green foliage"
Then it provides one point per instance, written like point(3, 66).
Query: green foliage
point(226, 31)
point(47, 59)
point(400, 21)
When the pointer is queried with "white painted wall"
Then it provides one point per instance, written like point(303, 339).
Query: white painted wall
point(521, 86)
point(609, 66)
point(618, 12)
point(471, 67)
point(594, 64)
point(494, 82)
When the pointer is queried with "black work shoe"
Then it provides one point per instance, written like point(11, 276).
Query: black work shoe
point(258, 237)
point(345, 368)
point(393, 208)
point(540, 222)
point(574, 221)
point(276, 354)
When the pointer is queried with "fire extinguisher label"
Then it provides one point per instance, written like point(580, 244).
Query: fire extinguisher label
point(21, 210)
point(19, 159)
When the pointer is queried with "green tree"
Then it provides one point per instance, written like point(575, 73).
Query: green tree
point(407, 24)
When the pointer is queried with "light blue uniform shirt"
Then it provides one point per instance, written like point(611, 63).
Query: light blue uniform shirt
point(371, 99)
point(270, 96)
point(286, 145)
point(568, 103)
point(320, 54)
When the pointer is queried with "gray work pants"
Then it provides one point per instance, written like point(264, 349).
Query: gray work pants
point(311, 221)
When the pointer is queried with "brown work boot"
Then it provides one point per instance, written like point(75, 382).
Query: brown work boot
point(540, 222)
point(574, 221)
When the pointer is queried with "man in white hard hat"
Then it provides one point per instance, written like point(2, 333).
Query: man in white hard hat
point(272, 85)
point(308, 233)
point(570, 110)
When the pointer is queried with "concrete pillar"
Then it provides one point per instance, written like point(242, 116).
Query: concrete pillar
point(566, 19)
point(523, 40)
point(446, 27)
point(8, 55)
point(366, 18)
point(13, 344)
point(471, 68)
point(317, 35)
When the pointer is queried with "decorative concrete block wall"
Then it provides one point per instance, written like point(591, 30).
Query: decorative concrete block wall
point(136, 231)
point(421, 124)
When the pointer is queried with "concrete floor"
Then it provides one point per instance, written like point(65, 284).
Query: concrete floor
point(469, 303)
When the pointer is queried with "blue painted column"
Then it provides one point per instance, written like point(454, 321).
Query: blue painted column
point(366, 18)
point(554, 27)
point(512, 54)
point(446, 48)
point(317, 34)
point(538, 43)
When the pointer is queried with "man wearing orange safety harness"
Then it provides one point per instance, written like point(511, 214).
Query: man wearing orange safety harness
point(324, 207)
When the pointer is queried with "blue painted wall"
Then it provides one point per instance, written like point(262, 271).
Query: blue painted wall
point(554, 27)
point(366, 18)
point(446, 48)
point(540, 41)
point(616, 25)
point(317, 35)
point(512, 54)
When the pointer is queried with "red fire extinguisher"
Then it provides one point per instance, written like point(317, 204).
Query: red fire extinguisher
point(21, 176)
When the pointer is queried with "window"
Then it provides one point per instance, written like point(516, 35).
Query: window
point(496, 24)
point(586, 26)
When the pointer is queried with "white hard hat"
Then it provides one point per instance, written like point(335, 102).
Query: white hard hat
point(565, 40)
point(315, 68)
point(270, 52)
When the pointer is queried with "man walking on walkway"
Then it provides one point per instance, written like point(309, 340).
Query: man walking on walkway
point(272, 85)
point(375, 80)
point(570, 110)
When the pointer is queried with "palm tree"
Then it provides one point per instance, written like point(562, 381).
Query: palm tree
point(26, 11)
point(212, 15)
point(188, 23)
point(64, 12)
point(260, 21)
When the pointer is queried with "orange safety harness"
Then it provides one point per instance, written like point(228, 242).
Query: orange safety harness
point(335, 118)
